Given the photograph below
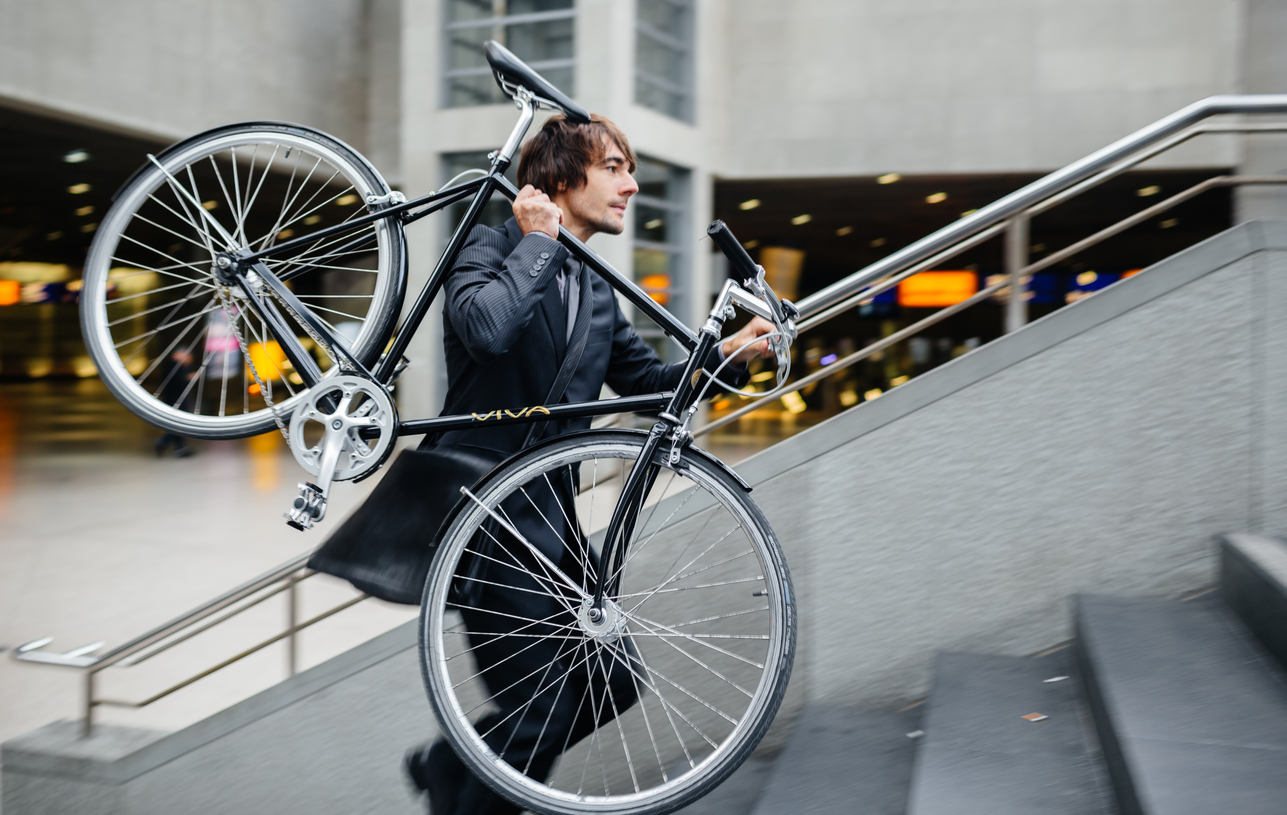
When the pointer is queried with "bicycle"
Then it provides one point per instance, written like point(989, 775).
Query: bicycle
point(685, 587)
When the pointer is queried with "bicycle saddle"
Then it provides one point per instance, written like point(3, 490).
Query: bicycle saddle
point(511, 69)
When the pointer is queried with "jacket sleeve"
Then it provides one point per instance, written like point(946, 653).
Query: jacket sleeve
point(491, 294)
point(636, 369)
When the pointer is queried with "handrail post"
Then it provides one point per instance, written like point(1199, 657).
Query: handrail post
point(292, 622)
point(87, 725)
point(1016, 260)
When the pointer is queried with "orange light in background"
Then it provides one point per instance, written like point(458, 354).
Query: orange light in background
point(1130, 272)
point(655, 285)
point(10, 292)
point(268, 358)
point(936, 289)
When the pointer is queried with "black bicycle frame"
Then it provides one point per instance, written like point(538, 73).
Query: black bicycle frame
point(670, 405)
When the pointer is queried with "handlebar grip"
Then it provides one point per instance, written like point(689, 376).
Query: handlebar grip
point(742, 264)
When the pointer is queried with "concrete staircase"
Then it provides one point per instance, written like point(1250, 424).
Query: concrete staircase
point(1158, 707)
point(1098, 451)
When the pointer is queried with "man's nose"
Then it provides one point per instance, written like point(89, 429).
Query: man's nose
point(629, 187)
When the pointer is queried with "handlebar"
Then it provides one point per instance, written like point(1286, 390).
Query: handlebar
point(783, 313)
point(746, 269)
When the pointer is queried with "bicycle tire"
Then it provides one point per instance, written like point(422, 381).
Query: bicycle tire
point(685, 732)
point(148, 303)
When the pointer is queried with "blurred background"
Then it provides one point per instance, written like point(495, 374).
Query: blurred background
point(827, 133)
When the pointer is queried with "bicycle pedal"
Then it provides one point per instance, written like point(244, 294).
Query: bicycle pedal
point(308, 508)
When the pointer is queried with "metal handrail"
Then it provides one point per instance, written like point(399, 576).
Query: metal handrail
point(1008, 215)
point(1022, 199)
point(284, 578)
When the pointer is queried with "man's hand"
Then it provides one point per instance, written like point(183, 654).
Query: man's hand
point(536, 213)
point(757, 327)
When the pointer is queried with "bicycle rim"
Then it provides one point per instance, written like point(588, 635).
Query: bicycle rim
point(149, 312)
point(683, 680)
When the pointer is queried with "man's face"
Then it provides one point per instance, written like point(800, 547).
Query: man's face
point(600, 204)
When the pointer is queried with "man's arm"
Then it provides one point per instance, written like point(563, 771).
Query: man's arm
point(636, 369)
point(491, 296)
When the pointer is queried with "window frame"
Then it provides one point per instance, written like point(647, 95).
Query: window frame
point(499, 23)
point(684, 50)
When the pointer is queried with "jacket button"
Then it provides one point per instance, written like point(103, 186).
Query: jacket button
point(545, 255)
point(535, 272)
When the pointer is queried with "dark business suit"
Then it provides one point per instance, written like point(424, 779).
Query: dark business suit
point(505, 334)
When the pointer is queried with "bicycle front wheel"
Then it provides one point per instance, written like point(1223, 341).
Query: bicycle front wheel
point(660, 698)
point(151, 316)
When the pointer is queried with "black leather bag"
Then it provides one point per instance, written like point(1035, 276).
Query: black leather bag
point(385, 548)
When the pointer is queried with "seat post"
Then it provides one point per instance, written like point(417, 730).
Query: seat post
point(523, 100)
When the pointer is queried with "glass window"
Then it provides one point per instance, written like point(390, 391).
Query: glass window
point(661, 212)
point(664, 57)
point(539, 32)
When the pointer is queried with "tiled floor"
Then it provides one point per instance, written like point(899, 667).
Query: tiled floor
point(101, 540)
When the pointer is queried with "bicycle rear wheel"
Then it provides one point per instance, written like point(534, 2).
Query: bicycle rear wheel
point(150, 313)
point(645, 710)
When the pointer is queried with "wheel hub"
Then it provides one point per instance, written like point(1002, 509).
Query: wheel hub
point(225, 268)
point(606, 623)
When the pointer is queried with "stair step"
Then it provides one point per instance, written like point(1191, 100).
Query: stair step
point(843, 760)
point(979, 755)
point(1192, 713)
point(1253, 582)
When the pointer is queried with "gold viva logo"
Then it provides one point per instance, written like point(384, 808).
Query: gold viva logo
point(501, 414)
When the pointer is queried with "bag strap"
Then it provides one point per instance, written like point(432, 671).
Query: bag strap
point(576, 347)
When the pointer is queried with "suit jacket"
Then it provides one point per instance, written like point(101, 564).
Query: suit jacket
point(505, 336)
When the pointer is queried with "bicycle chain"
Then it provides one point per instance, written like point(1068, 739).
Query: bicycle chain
point(222, 294)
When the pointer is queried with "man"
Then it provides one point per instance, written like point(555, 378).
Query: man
point(515, 304)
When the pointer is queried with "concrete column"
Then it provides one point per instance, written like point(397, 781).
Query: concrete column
point(1264, 71)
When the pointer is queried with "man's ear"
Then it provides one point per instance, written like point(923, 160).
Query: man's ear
point(563, 187)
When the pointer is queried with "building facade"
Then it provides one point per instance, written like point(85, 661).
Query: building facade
point(713, 94)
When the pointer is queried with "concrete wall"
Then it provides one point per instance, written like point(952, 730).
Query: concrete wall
point(1100, 449)
point(863, 87)
point(170, 68)
point(328, 741)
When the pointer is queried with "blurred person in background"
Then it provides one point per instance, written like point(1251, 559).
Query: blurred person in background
point(176, 390)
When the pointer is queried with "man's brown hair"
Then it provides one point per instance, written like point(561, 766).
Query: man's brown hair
point(558, 155)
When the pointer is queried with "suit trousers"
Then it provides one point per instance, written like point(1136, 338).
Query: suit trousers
point(549, 687)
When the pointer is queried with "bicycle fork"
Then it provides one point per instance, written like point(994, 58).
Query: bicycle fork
point(643, 476)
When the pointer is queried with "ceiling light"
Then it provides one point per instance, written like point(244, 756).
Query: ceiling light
point(1037, 247)
point(936, 198)
point(750, 244)
point(888, 178)
point(801, 219)
point(1170, 222)
point(53, 236)
point(749, 204)
point(1086, 278)
point(286, 233)
point(76, 157)
point(764, 376)
point(879, 242)
point(346, 200)
point(969, 212)
point(77, 189)
point(1145, 192)
point(844, 230)
point(83, 211)
point(872, 394)
point(209, 204)
point(654, 223)
point(87, 228)
point(312, 219)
